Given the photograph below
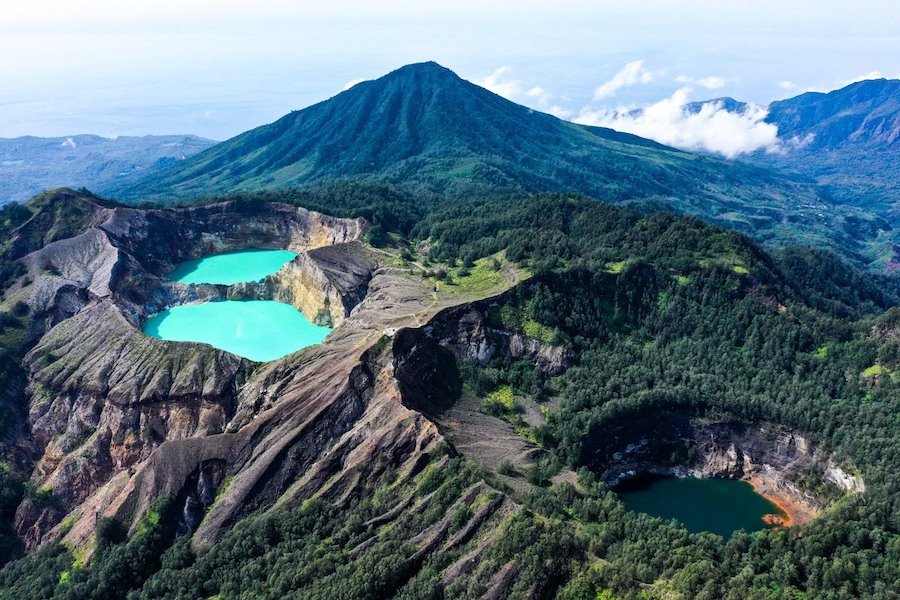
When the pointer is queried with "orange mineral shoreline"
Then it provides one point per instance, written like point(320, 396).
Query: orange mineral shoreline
point(795, 511)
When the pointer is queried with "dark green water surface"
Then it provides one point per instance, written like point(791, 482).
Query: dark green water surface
point(721, 506)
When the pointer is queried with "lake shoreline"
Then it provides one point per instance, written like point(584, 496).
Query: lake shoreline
point(795, 511)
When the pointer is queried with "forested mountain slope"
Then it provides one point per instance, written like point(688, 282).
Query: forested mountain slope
point(424, 130)
point(452, 437)
point(848, 141)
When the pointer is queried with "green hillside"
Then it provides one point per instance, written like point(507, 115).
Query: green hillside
point(423, 129)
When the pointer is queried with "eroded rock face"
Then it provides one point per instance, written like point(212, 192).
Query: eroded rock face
point(119, 419)
point(103, 396)
point(324, 283)
point(779, 463)
point(467, 330)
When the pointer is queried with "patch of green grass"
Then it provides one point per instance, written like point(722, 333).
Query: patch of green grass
point(480, 500)
point(616, 267)
point(740, 270)
point(501, 400)
point(873, 371)
point(538, 331)
point(81, 554)
point(528, 433)
point(42, 496)
point(682, 280)
point(66, 524)
point(482, 278)
point(821, 352)
point(151, 519)
point(63, 578)
point(226, 483)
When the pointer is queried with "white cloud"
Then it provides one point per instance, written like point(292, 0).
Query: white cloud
point(865, 77)
point(712, 82)
point(787, 85)
point(712, 128)
point(632, 74)
point(351, 83)
point(503, 83)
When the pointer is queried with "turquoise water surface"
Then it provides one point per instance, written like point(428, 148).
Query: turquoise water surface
point(718, 505)
point(232, 267)
point(260, 330)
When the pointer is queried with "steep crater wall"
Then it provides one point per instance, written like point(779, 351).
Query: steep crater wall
point(325, 284)
point(104, 397)
point(782, 465)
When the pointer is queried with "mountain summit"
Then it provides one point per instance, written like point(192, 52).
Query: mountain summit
point(862, 112)
point(430, 133)
point(420, 125)
point(423, 127)
point(847, 140)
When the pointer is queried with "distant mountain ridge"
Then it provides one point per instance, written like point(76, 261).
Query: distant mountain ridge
point(30, 165)
point(420, 123)
point(862, 112)
point(426, 131)
point(847, 140)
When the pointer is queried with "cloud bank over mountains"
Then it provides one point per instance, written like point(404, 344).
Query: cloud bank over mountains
point(671, 121)
point(632, 74)
point(504, 83)
point(712, 128)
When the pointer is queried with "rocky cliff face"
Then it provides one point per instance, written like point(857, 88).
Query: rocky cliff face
point(468, 331)
point(325, 284)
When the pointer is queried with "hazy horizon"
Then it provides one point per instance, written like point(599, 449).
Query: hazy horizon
point(216, 69)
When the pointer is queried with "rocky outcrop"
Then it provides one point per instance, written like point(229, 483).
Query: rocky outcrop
point(324, 422)
point(467, 330)
point(119, 420)
point(781, 464)
point(325, 284)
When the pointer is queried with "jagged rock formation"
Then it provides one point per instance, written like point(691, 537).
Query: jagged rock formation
point(468, 330)
point(104, 397)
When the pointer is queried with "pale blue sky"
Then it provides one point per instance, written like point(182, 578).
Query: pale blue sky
point(219, 67)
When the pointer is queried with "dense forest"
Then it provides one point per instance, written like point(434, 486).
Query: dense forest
point(660, 312)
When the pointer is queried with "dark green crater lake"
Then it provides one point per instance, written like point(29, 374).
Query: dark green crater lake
point(720, 506)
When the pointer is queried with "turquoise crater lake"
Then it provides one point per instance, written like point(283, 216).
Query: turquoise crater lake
point(232, 267)
point(260, 330)
point(720, 506)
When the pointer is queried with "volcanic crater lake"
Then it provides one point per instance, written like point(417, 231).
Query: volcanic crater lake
point(720, 506)
point(261, 330)
point(228, 268)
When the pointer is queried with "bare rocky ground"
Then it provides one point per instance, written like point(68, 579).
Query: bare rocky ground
point(118, 419)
